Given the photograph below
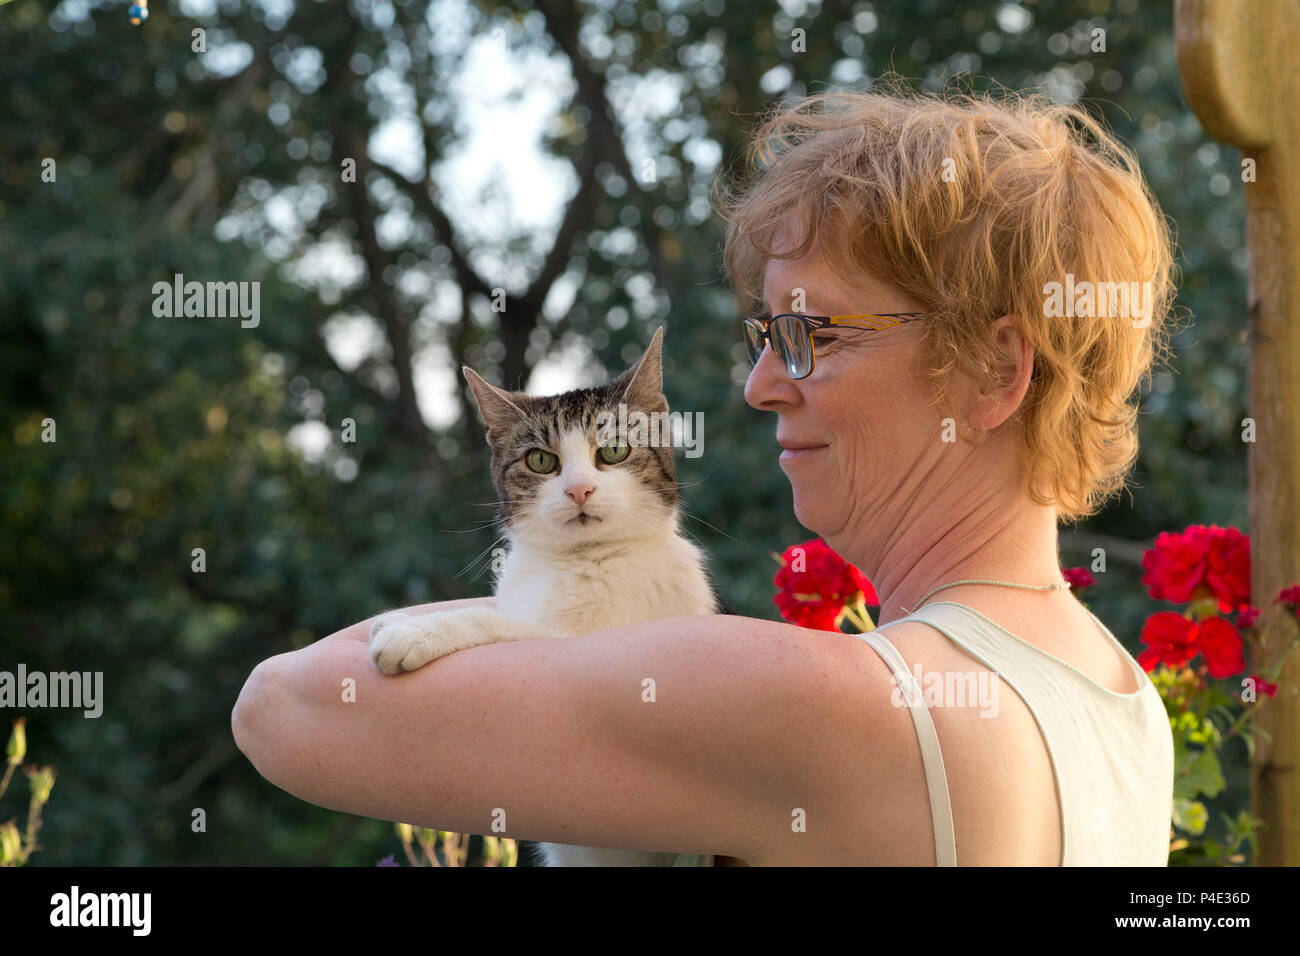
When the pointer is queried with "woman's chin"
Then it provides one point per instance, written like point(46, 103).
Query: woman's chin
point(808, 507)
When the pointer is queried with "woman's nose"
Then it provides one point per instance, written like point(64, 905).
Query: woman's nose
point(769, 382)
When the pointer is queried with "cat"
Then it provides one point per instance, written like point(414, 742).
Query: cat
point(594, 542)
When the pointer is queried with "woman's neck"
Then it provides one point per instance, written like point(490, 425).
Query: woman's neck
point(999, 536)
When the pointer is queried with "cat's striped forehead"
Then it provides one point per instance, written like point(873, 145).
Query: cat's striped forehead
point(569, 425)
point(547, 419)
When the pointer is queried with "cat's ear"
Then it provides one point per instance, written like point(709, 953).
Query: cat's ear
point(496, 405)
point(642, 386)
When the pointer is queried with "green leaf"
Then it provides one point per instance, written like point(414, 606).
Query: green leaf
point(1201, 775)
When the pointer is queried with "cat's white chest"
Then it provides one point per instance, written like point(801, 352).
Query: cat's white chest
point(582, 595)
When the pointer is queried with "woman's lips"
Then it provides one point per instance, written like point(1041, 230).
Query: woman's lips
point(791, 453)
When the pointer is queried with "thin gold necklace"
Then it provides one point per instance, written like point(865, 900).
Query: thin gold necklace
point(1005, 584)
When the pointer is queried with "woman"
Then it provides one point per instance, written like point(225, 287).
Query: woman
point(935, 440)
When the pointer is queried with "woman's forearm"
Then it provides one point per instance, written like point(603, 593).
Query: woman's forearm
point(333, 647)
point(492, 728)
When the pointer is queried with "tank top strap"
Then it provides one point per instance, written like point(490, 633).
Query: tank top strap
point(936, 778)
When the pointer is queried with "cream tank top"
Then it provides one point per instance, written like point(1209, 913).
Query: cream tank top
point(1112, 754)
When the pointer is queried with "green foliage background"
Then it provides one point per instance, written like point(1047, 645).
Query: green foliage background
point(171, 433)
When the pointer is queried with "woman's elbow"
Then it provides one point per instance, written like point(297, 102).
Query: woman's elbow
point(248, 720)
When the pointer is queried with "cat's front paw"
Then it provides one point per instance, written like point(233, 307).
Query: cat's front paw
point(400, 642)
point(380, 621)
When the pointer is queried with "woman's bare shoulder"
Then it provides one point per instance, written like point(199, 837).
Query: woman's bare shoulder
point(831, 757)
point(997, 769)
point(858, 795)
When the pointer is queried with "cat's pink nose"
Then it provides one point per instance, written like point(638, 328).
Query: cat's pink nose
point(580, 493)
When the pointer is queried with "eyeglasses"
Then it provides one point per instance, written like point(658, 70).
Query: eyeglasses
point(791, 334)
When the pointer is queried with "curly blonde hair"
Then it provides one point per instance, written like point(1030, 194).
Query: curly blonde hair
point(973, 205)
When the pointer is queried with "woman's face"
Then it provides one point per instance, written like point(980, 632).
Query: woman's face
point(864, 405)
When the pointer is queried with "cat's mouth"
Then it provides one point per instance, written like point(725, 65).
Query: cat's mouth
point(582, 518)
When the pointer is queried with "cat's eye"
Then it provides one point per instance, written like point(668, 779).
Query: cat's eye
point(613, 454)
point(541, 461)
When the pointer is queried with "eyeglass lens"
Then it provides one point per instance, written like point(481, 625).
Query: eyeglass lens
point(789, 336)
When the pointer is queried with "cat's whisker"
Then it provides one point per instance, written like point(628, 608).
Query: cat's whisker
point(707, 525)
point(679, 485)
point(479, 557)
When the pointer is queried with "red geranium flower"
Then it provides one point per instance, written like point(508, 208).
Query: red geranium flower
point(1221, 645)
point(813, 588)
point(1247, 616)
point(1200, 561)
point(1263, 686)
point(1078, 578)
point(1174, 640)
point(1176, 565)
point(1228, 570)
point(1290, 597)
point(1170, 639)
point(814, 614)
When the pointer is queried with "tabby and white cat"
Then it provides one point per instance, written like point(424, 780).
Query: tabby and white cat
point(594, 542)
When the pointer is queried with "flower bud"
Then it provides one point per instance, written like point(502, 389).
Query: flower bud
point(11, 844)
point(17, 748)
point(41, 780)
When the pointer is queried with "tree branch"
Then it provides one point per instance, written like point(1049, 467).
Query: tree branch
point(420, 193)
point(396, 329)
point(562, 23)
point(1122, 550)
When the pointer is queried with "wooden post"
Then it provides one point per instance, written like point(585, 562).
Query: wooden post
point(1240, 67)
